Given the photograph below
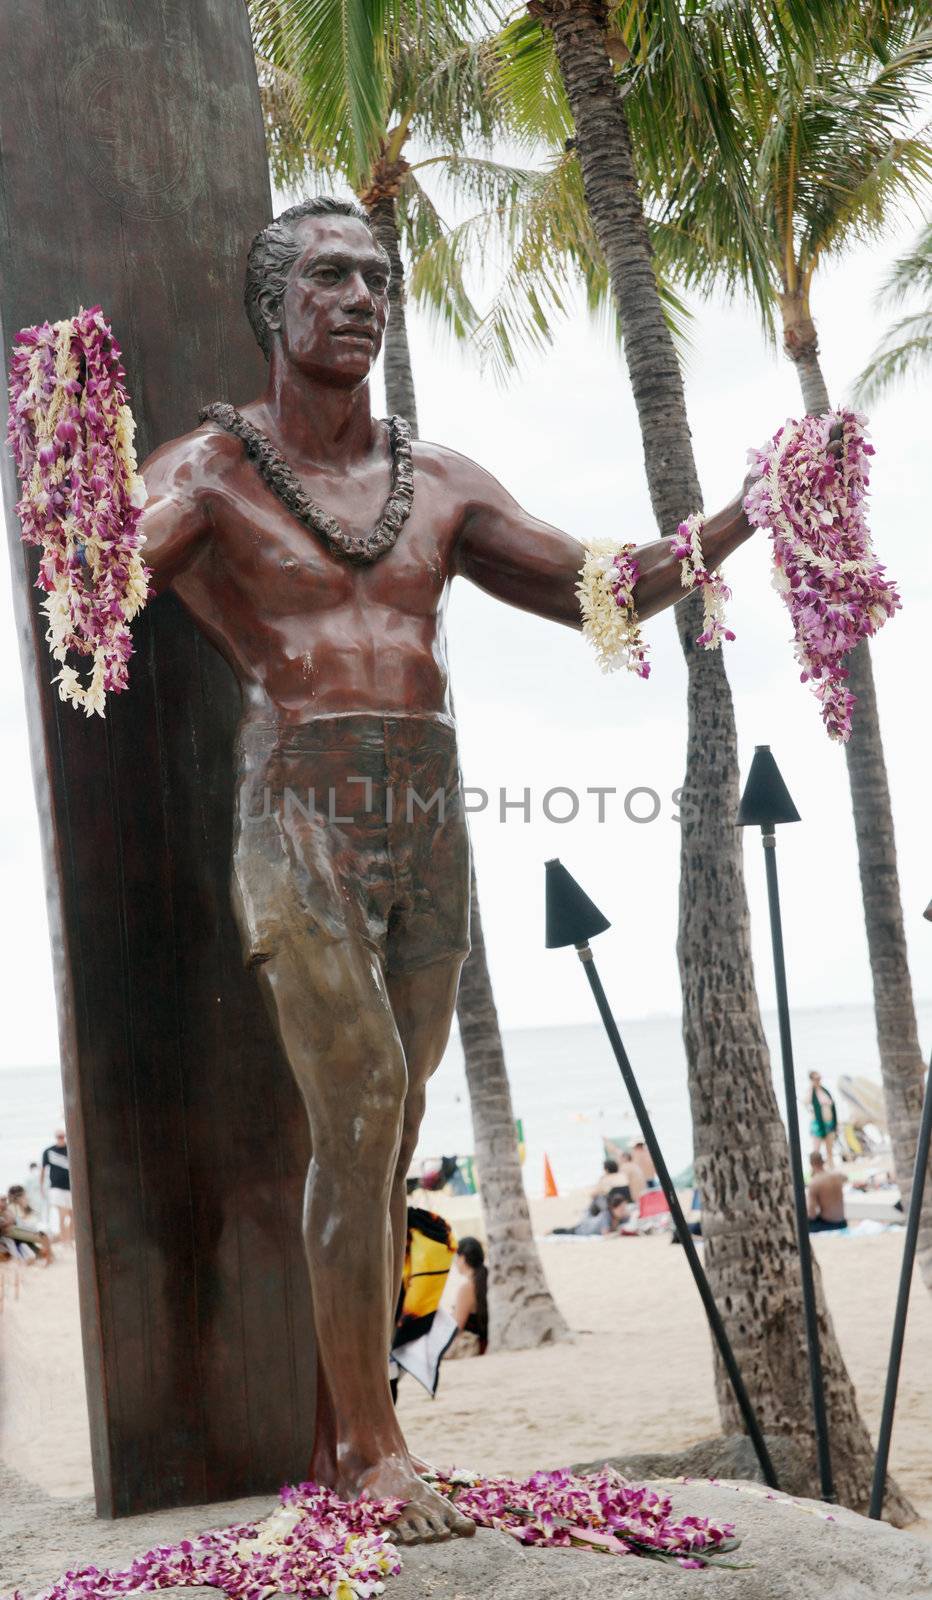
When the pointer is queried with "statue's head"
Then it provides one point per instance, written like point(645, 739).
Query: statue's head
point(317, 289)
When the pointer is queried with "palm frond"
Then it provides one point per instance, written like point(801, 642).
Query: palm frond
point(553, 258)
point(904, 351)
point(344, 57)
point(528, 87)
point(911, 273)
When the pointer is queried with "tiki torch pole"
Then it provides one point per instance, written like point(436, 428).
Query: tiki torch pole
point(766, 801)
point(902, 1300)
point(572, 918)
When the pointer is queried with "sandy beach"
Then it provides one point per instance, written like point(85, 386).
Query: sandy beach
point(637, 1376)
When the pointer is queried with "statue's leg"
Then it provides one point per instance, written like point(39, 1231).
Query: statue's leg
point(423, 1002)
point(334, 1016)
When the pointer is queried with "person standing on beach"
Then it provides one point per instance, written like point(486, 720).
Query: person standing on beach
point(55, 1182)
point(824, 1125)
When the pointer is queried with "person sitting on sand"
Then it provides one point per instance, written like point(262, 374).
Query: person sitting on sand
point(26, 1243)
point(616, 1212)
point(607, 1181)
point(825, 1198)
point(471, 1306)
point(630, 1174)
point(619, 1212)
point(641, 1156)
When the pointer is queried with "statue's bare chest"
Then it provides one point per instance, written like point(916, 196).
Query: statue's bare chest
point(268, 554)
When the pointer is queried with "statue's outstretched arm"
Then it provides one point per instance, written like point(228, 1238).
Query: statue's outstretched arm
point(530, 564)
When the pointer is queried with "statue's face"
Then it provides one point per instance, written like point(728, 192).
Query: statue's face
point(334, 310)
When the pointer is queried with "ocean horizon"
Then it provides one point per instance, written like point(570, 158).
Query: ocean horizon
point(565, 1087)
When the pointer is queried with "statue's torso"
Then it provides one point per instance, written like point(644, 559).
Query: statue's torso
point(307, 632)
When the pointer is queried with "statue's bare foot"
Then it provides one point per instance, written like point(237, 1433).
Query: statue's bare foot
point(426, 1516)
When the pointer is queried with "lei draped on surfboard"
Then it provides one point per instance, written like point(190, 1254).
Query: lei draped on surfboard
point(824, 567)
point(316, 1545)
point(71, 430)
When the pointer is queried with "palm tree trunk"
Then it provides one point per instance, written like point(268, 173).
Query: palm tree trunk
point(522, 1311)
point(399, 375)
point(901, 1065)
point(741, 1154)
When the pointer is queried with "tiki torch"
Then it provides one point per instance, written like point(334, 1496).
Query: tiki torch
point(572, 919)
point(902, 1298)
point(766, 802)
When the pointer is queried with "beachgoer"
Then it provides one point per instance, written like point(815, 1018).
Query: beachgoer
point(471, 1306)
point(642, 1157)
point(824, 1124)
point(28, 1244)
point(56, 1186)
point(630, 1174)
point(619, 1212)
point(825, 1198)
point(607, 1181)
point(616, 1211)
point(423, 1330)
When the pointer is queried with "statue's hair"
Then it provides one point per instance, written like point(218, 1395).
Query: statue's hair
point(275, 250)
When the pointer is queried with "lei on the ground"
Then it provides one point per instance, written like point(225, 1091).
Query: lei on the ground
point(833, 586)
point(71, 430)
point(316, 1545)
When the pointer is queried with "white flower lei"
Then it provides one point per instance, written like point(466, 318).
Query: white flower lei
point(606, 599)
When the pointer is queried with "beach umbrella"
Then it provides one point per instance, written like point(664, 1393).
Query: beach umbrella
point(766, 803)
point(902, 1298)
point(573, 919)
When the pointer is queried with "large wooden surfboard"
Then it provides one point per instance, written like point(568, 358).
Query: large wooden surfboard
point(133, 173)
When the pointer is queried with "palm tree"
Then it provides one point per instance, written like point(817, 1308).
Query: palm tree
point(829, 154)
point(343, 96)
point(559, 77)
point(906, 347)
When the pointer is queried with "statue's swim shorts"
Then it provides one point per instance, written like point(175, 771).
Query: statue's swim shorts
point(352, 826)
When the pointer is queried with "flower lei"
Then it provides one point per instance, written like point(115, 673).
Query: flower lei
point(598, 1511)
point(824, 565)
point(825, 568)
point(313, 1544)
point(687, 549)
point(71, 431)
point(606, 599)
point(316, 1545)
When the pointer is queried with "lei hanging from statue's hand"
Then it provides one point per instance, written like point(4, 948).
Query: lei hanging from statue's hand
point(834, 588)
point(71, 430)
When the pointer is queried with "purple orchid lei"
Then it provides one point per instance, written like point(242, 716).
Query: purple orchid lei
point(313, 1544)
point(833, 586)
point(600, 1511)
point(71, 432)
point(316, 1545)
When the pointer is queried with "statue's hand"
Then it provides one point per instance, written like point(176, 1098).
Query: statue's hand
point(835, 447)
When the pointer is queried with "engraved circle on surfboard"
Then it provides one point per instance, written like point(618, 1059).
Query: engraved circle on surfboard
point(146, 166)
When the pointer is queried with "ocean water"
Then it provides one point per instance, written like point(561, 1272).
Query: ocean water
point(565, 1086)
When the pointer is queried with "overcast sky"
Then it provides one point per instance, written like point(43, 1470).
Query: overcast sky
point(536, 713)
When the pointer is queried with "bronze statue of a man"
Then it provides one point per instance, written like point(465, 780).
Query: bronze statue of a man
point(315, 547)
